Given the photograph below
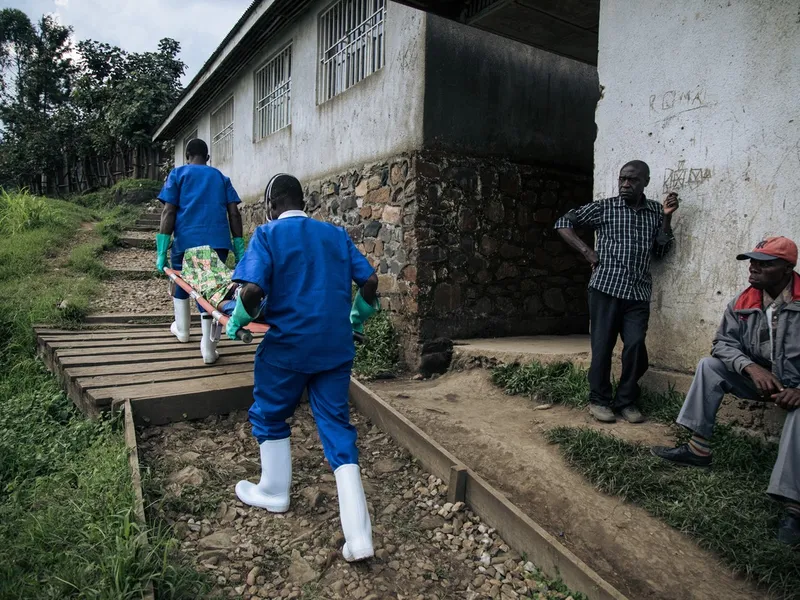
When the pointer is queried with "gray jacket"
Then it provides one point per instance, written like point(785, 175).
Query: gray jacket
point(742, 337)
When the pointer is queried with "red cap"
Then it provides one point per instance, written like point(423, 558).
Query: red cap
point(772, 248)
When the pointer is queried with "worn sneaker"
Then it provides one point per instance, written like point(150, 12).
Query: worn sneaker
point(632, 414)
point(681, 456)
point(789, 531)
point(602, 413)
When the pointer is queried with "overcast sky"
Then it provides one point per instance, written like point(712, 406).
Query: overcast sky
point(138, 25)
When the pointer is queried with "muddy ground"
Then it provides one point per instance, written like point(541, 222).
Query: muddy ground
point(426, 549)
point(501, 437)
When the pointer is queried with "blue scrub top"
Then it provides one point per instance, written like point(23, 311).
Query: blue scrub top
point(202, 194)
point(307, 269)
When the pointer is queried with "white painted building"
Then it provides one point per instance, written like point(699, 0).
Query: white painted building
point(706, 93)
point(443, 149)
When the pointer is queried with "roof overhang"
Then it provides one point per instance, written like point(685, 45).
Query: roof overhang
point(565, 27)
point(260, 23)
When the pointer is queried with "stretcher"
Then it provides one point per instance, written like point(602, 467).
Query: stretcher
point(246, 333)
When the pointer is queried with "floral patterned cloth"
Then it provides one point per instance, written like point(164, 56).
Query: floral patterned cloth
point(207, 274)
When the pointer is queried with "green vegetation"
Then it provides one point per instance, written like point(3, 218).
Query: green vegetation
point(379, 356)
point(565, 383)
point(66, 525)
point(724, 508)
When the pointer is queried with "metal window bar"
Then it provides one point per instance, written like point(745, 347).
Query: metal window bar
point(222, 124)
point(351, 45)
point(273, 95)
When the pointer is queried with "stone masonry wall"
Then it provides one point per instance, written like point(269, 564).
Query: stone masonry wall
point(489, 262)
point(377, 205)
point(463, 246)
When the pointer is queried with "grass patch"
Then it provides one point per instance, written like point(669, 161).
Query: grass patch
point(567, 384)
point(85, 258)
point(66, 527)
point(724, 508)
point(379, 355)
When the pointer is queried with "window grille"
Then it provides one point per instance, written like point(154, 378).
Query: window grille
point(186, 140)
point(222, 131)
point(352, 45)
point(273, 94)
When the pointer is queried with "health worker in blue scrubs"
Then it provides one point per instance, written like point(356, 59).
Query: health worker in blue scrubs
point(200, 209)
point(305, 269)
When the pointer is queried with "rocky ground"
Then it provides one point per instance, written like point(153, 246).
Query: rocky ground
point(133, 296)
point(129, 259)
point(425, 547)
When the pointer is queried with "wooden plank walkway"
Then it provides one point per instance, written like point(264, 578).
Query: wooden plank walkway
point(113, 361)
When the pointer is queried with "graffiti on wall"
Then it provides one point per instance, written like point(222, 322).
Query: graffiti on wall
point(682, 177)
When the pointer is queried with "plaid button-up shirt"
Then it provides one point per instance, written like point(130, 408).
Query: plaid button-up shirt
point(626, 239)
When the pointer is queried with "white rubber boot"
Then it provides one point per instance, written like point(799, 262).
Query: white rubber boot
point(180, 326)
point(272, 491)
point(353, 513)
point(208, 345)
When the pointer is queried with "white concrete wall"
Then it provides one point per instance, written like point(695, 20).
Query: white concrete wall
point(707, 94)
point(378, 117)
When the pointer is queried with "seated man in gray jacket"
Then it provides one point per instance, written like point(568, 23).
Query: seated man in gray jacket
point(755, 355)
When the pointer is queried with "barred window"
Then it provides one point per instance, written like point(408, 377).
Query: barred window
point(351, 44)
point(222, 132)
point(273, 95)
point(186, 140)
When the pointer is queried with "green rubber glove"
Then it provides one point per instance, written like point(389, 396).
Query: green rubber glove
point(238, 248)
point(361, 312)
point(238, 319)
point(162, 245)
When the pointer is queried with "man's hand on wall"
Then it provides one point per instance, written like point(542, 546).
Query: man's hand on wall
point(766, 382)
point(671, 203)
point(788, 399)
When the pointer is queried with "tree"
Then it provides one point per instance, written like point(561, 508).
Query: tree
point(36, 83)
point(57, 117)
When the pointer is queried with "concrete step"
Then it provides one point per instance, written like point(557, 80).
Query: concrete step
point(130, 239)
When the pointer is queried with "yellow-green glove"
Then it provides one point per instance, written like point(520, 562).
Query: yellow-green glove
point(240, 318)
point(361, 312)
point(162, 246)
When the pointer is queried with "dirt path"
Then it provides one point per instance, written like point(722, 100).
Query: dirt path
point(426, 549)
point(500, 437)
point(138, 296)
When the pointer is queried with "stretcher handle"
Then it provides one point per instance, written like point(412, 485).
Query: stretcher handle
point(244, 336)
point(359, 338)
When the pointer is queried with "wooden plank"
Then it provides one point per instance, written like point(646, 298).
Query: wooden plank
point(457, 485)
point(517, 529)
point(135, 242)
point(168, 391)
point(72, 350)
point(128, 318)
point(161, 410)
point(154, 367)
point(197, 371)
point(90, 360)
point(136, 483)
point(162, 333)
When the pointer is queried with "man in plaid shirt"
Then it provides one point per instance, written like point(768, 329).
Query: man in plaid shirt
point(629, 228)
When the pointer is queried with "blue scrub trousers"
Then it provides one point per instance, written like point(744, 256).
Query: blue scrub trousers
point(176, 260)
point(277, 393)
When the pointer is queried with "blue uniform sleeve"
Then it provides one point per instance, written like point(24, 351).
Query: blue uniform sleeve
point(231, 197)
point(171, 192)
point(359, 265)
point(256, 264)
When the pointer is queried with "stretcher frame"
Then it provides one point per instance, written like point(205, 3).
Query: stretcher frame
point(245, 334)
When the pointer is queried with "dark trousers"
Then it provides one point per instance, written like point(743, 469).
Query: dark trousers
point(611, 317)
